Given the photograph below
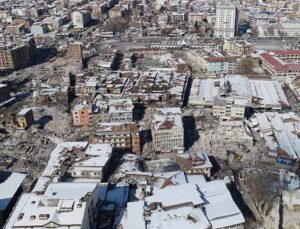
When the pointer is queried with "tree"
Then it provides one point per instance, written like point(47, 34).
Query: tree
point(247, 65)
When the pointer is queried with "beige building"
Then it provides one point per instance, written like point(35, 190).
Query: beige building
point(75, 52)
point(119, 135)
point(13, 57)
point(229, 108)
point(81, 19)
point(281, 63)
point(226, 21)
point(25, 118)
point(194, 163)
point(167, 129)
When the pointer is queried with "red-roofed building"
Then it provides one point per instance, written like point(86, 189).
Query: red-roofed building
point(282, 63)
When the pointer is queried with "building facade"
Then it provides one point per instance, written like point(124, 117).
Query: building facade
point(226, 24)
point(167, 130)
point(80, 19)
point(229, 108)
point(120, 136)
point(25, 118)
point(4, 92)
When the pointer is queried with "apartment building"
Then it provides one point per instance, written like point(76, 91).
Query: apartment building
point(226, 24)
point(197, 205)
point(238, 47)
point(62, 205)
point(119, 135)
point(167, 129)
point(82, 115)
point(11, 189)
point(13, 56)
point(281, 63)
point(81, 19)
point(195, 163)
point(113, 111)
point(227, 108)
point(214, 62)
point(178, 16)
point(75, 52)
point(82, 161)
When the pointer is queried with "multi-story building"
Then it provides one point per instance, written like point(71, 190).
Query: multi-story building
point(197, 204)
point(178, 17)
point(115, 110)
point(229, 108)
point(195, 163)
point(82, 115)
point(226, 24)
point(196, 17)
point(214, 62)
point(38, 29)
point(257, 93)
point(25, 118)
point(11, 189)
point(285, 28)
point(120, 135)
point(13, 56)
point(62, 205)
point(4, 92)
point(281, 63)
point(82, 162)
point(75, 52)
point(238, 47)
point(81, 19)
point(167, 129)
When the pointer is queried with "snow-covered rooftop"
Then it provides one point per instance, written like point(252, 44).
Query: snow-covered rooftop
point(63, 205)
point(258, 93)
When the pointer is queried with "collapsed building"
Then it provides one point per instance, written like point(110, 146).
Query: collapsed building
point(197, 206)
point(75, 161)
point(240, 91)
point(281, 133)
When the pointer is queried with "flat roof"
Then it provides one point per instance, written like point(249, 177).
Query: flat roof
point(9, 186)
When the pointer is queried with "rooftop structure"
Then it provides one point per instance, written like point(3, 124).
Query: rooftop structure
point(195, 163)
point(167, 129)
point(75, 161)
point(257, 93)
point(63, 205)
point(196, 206)
point(281, 63)
point(121, 135)
point(281, 134)
point(10, 190)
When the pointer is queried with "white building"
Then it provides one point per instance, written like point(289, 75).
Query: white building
point(167, 129)
point(200, 205)
point(75, 162)
point(80, 19)
point(229, 108)
point(257, 93)
point(281, 134)
point(62, 205)
point(226, 21)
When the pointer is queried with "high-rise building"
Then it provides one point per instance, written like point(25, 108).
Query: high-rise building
point(81, 19)
point(75, 52)
point(226, 20)
point(16, 55)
